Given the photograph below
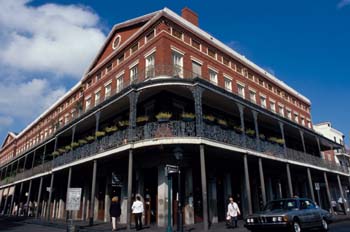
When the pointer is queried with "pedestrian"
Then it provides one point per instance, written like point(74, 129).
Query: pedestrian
point(233, 212)
point(114, 212)
point(137, 210)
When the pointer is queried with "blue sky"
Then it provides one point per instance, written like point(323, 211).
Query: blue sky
point(46, 45)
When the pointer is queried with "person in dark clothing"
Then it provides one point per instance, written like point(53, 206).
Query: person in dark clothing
point(115, 212)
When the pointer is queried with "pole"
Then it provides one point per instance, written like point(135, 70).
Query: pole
point(68, 186)
point(247, 184)
point(179, 208)
point(204, 188)
point(93, 189)
point(310, 186)
point(169, 228)
point(50, 196)
point(129, 189)
point(39, 197)
point(262, 182)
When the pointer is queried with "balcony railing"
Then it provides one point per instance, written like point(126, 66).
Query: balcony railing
point(171, 129)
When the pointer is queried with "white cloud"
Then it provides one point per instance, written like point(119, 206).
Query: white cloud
point(343, 3)
point(60, 39)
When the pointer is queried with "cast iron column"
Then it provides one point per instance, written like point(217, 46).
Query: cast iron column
point(12, 199)
point(39, 197)
point(130, 168)
point(204, 188)
point(302, 140)
point(342, 196)
point(241, 116)
point(19, 197)
point(133, 97)
point(93, 189)
point(247, 183)
point(328, 192)
point(28, 197)
point(319, 145)
point(310, 185)
point(197, 93)
point(50, 196)
point(262, 181)
point(256, 125)
point(289, 178)
point(283, 137)
point(68, 186)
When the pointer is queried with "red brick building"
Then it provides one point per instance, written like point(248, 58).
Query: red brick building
point(163, 66)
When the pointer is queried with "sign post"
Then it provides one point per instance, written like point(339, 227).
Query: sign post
point(169, 170)
point(73, 203)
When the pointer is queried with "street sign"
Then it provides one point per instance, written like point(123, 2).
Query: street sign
point(116, 180)
point(73, 198)
point(317, 186)
point(171, 169)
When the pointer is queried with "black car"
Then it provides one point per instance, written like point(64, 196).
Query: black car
point(290, 214)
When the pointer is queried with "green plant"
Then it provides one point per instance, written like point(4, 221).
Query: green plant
point(123, 123)
point(262, 137)
point(222, 122)
point(273, 139)
point(111, 129)
point(141, 119)
point(82, 141)
point(68, 148)
point(75, 144)
point(210, 118)
point(61, 150)
point(250, 132)
point(100, 134)
point(90, 138)
point(163, 115)
point(188, 115)
point(238, 129)
point(280, 141)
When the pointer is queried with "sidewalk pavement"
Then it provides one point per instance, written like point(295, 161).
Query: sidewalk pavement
point(103, 226)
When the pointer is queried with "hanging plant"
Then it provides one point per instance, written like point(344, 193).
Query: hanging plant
point(142, 119)
point(250, 132)
point(238, 129)
point(61, 150)
point(100, 134)
point(111, 129)
point(55, 153)
point(280, 141)
point(222, 123)
point(90, 138)
point(209, 118)
point(163, 116)
point(68, 148)
point(124, 123)
point(262, 137)
point(187, 117)
point(74, 145)
point(273, 139)
point(82, 141)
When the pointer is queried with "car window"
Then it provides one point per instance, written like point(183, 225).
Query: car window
point(291, 204)
point(306, 204)
point(281, 204)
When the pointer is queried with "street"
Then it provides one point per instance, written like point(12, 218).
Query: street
point(15, 225)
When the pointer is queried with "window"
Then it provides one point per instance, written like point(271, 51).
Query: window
point(296, 118)
point(196, 69)
point(289, 114)
point(150, 36)
point(240, 90)
point(263, 101)
point(196, 44)
point(309, 124)
point(134, 48)
point(177, 64)
point(120, 83)
point(98, 76)
point(120, 58)
point(226, 61)
point(228, 84)
point(213, 76)
point(281, 110)
point(108, 89)
point(178, 34)
point(87, 103)
point(97, 98)
point(109, 68)
point(303, 121)
point(252, 96)
point(273, 106)
point(133, 73)
point(150, 66)
point(211, 53)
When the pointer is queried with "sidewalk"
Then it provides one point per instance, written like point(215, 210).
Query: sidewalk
point(102, 226)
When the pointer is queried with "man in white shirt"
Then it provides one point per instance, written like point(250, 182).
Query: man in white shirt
point(233, 212)
point(137, 210)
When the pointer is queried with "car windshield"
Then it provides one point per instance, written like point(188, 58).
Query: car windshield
point(281, 205)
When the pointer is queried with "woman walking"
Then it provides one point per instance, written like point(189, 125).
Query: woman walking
point(115, 212)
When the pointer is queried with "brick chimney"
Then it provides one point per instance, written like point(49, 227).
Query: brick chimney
point(190, 16)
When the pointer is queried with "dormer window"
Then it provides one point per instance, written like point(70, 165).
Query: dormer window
point(116, 42)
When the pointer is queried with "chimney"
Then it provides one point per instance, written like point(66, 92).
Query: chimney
point(190, 16)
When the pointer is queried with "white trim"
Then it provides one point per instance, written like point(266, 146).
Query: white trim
point(116, 37)
point(107, 83)
point(136, 62)
point(240, 83)
point(213, 69)
point(251, 89)
point(272, 100)
point(175, 49)
point(120, 74)
point(87, 97)
point(150, 52)
point(196, 60)
point(97, 90)
point(227, 76)
point(262, 95)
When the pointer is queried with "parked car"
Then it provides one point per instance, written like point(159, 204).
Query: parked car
point(290, 214)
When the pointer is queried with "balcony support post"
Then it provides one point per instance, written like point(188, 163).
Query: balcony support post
point(283, 137)
point(204, 188)
point(33, 162)
point(262, 181)
point(25, 162)
point(345, 202)
point(133, 98)
point(5, 204)
point(256, 125)
point(130, 169)
point(28, 197)
point(328, 192)
point(289, 178)
point(55, 145)
point(97, 117)
point(93, 190)
point(39, 197)
point(241, 116)
point(17, 166)
point(197, 93)
point(68, 186)
point(12, 199)
point(48, 210)
point(311, 185)
point(19, 197)
point(247, 183)
point(73, 136)
point(44, 154)
point(319, 145)
point(302, 140)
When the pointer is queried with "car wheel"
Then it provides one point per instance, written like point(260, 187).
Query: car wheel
point(296, 226)
point(324, 225)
